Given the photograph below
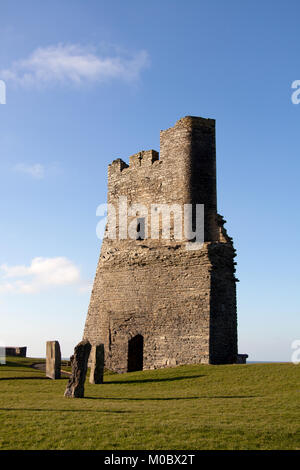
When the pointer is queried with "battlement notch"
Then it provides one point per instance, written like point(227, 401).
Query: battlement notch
point(116, 167)
point(143, 158)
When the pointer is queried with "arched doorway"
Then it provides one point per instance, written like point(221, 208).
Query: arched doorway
point(135, 353)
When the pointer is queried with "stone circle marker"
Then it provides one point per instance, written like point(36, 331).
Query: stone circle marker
point(53, 360)
point(79, 362)
point(97, 364)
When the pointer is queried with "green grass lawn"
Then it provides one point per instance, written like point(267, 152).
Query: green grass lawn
point(255, 406)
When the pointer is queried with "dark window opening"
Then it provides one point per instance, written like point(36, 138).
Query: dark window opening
point(135, 353)
point(140, 228)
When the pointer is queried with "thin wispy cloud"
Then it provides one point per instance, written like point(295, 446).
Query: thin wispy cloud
point(41, 274)
point(36, 171)
point(86, 288)
point(74, 64)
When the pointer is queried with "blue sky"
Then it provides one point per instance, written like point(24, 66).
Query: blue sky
point(90, 81)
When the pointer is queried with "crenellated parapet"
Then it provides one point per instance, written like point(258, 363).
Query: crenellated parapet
point(143, 159)
point(116, 166)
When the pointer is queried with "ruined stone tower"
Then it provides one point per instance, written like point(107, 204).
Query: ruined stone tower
point(154, 302)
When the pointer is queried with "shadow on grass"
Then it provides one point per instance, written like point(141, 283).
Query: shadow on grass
point(142, 381)
point(24, 378)
point(63, 377)
point(19, 363)
point(170, 398)
point(25, 369)
point(64, 411)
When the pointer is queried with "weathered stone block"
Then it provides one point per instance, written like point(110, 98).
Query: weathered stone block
point(16, 351)
point(53, 360)
point(79, 361)
point(241, 358)
point(97, 364)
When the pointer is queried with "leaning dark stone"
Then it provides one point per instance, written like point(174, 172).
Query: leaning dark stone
point(79, 361)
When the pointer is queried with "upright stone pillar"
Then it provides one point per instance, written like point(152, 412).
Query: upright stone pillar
point(97, 364)
point(53, 360)
point(79, 361)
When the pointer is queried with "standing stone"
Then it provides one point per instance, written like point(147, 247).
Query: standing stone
point(53, 360)
point(79, 361)
point(97, 364)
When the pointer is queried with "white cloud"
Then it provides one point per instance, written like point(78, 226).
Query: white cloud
point(37, 170)
point(42, 273)
point(75, 64)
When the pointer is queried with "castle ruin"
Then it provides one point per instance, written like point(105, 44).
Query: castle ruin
point(155, 303)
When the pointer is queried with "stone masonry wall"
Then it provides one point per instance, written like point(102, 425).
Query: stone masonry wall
point(182, 302)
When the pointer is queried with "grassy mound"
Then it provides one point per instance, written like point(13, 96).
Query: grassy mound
point(253, 406)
